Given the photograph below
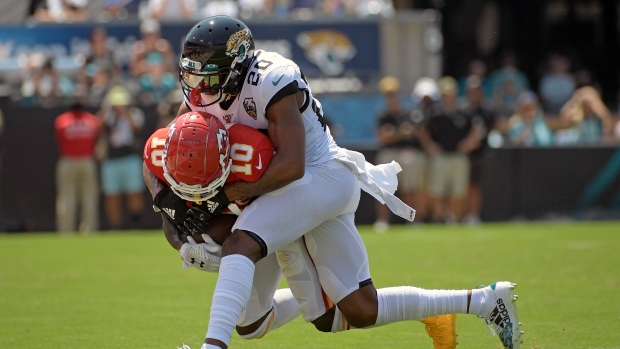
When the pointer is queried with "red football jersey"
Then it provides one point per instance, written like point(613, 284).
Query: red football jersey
point(250, 151)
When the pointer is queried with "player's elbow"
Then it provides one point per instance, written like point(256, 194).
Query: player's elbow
point(297, 172)
point(293, 171)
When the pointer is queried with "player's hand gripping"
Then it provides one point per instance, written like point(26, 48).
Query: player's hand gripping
point(205, 256)
point(197, 217)
point(189, 220)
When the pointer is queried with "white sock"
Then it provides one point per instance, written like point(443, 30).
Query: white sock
point(283, 311)
point(285, 308)
point(477, 305)
point(231, 295)
point(340, 323)
point(412, 303)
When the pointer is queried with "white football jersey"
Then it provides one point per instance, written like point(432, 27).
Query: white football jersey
point(269, 78)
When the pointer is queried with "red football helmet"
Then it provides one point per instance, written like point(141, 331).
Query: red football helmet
point(196, 156)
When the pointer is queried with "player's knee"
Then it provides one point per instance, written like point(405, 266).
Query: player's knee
point(252, 335)
point(257, 329)
point(244, 244)
point(361, 317)
point(324, 322)
point(360, 308)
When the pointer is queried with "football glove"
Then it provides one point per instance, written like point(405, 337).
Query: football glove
point(216, 204)
point(200, 256)
point(210, 245)
point(189, 220)
point(198, 218)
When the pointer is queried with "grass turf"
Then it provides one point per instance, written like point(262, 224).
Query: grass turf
point(129, 291)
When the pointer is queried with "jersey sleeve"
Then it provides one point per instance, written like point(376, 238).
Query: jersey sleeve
point(154, 153)
point(278, 83)
point(250, 151)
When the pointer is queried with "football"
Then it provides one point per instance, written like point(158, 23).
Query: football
point(219, 229)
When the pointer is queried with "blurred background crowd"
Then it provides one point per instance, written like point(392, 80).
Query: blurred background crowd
point(174, 10)
point(442, 142)
point(438, 126)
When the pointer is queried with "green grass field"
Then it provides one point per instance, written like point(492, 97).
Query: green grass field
point(129, 291)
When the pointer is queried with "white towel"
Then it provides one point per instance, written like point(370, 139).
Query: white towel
point(380, 181)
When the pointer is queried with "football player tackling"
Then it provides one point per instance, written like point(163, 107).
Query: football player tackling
point(310, 188)
point(189, 151)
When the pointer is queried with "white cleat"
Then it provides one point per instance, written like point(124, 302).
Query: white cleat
point(502, 318)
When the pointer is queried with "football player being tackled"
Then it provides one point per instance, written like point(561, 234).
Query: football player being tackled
point(193, 145)
point(311, 189)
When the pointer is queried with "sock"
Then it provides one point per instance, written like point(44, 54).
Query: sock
point(231, 295)
point(477, 306)
point(412, 303)
point(284, 310)
point(340, 323)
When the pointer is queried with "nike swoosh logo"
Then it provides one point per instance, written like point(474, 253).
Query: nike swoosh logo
point(275, 83)
point(260, 163)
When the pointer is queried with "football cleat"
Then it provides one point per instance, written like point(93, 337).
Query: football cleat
point(442, 330)
point(502, 318)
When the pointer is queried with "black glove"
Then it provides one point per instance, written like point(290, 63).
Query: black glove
point(177, 211)
point(216, 204)
point(197, 216)
point(197, 220)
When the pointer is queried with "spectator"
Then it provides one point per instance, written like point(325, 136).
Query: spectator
point(529, 126)
point(76, 171)
point(100, 69)
point(42, 85)
point(220, 7)
point(256, 8)
point(583, 77)
point(396, 135)
point(477, 67)
point(425, 95)
point(33, 7)
point(366, 8)
point(594, 122)
point(450, 138)
point(615, 134)
point(507, 82)
point(483, 121)
point(62, 11)
point(124, 9)
point(151, 49)
point(121, 169)
point(156, 83)
point(172, 10)
point(333, 8)
point(557, 84)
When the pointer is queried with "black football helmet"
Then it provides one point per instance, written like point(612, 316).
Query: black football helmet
point(216, 54)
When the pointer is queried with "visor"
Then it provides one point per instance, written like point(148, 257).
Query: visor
point(193, 74)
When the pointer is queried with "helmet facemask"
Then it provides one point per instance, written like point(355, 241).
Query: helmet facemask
point(216, 70)
point(197, 193)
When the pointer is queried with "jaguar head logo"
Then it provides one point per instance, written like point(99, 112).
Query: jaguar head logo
point(239, 44)
point(328, 49)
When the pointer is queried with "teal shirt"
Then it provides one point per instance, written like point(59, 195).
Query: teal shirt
point(540, 136)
